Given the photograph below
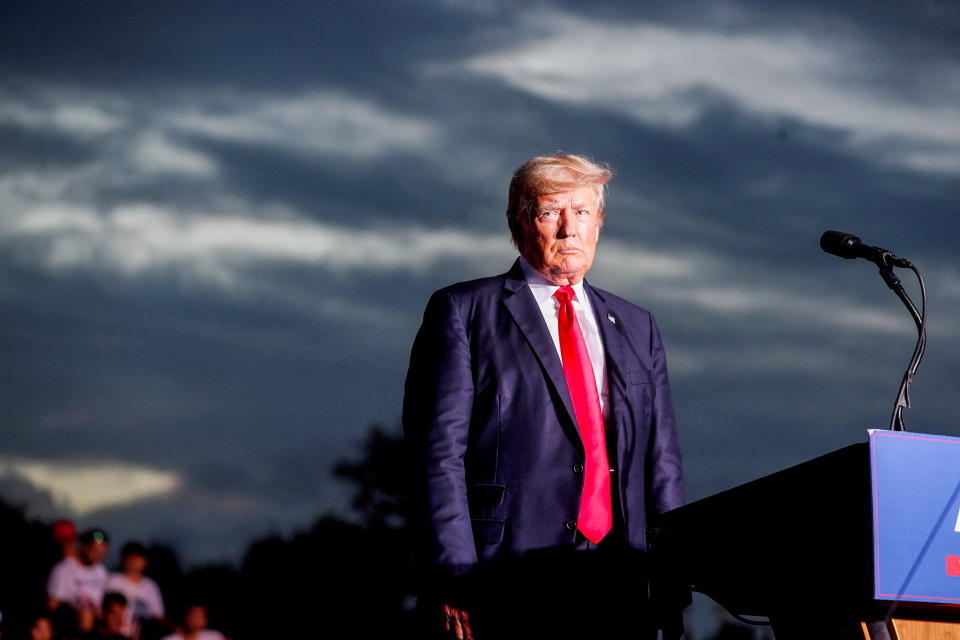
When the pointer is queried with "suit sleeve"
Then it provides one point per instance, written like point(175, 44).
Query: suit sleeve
point(664, 465)
point(438, 402)
point(668, 595)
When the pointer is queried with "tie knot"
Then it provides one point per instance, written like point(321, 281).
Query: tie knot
point(564, 294)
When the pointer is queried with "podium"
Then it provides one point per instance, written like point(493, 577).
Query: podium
point(870, 532)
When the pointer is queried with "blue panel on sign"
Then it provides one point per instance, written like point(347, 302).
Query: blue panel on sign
point(916, 516)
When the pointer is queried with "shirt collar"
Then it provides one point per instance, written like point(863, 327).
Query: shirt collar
point(543, 289)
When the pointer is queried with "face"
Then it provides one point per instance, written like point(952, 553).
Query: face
point(562, 240)
point(94, 552)
point(134, 563)
point(196, 619)
point(113, 618)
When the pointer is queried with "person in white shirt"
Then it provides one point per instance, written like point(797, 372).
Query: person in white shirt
point(144, 600)
point(80, 581)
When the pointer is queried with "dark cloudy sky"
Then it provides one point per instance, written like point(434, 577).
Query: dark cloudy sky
point(220, 222)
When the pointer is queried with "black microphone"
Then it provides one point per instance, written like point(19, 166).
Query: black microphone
point(847, 245)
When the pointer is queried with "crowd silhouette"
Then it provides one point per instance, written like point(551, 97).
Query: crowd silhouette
point(321, 582)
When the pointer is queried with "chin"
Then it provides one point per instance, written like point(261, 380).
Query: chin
point(569, 267)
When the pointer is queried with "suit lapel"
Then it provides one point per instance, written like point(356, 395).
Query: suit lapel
point(523, 308)
point(616, 349)
point(618, 353)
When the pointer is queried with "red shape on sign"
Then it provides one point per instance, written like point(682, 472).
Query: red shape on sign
point(953, 565)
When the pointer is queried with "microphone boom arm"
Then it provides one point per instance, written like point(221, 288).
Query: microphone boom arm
point(919, 318)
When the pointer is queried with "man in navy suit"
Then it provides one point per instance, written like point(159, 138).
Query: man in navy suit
point(538, 412)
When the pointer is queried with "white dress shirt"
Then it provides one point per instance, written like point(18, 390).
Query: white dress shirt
point(543, 291)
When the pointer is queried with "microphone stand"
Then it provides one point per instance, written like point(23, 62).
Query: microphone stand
point(919, 318)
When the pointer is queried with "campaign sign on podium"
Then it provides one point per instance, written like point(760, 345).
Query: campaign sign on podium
point(915, 481)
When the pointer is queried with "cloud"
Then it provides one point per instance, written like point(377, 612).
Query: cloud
point(702, 282)
point(315, 121)
point(20, 492)
point(131, 239)
point(136, 139)
point(62, 111)
point(669, 76)
point(155, 153)
point(83, 487)
point(768, 301)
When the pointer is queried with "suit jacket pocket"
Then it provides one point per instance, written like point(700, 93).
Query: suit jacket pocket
point(639, 376)
point(484, 498)
point(487, 531)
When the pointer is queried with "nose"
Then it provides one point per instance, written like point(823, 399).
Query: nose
point(565, 225)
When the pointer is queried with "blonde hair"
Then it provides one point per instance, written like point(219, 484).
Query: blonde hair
point(551, 174)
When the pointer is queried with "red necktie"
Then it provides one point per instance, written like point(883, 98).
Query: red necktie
point(596, 515)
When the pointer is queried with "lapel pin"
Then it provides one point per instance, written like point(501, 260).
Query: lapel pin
point(611, 318)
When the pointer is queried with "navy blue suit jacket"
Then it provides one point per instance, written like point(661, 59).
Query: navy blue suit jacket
point(488, 416)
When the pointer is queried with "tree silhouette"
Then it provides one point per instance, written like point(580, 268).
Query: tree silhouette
point(27, 552)
point(340, 578)
point(380, 479)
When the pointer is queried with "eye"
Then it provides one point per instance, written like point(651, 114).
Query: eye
point(583, 212)
point(549, 215)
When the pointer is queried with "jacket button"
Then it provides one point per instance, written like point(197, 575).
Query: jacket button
point(570, 525)
point(578, 468)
